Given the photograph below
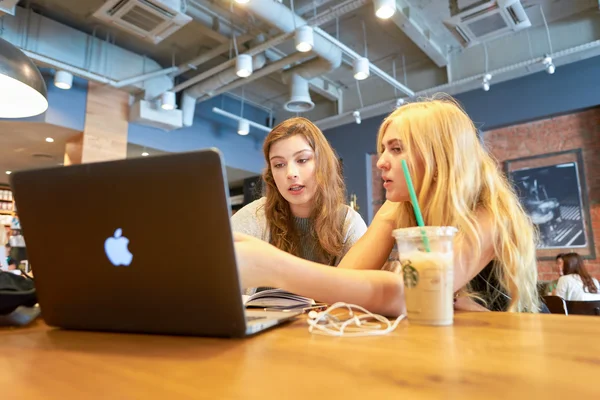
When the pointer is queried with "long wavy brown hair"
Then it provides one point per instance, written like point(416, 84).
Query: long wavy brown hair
point(328, 211)
point(573, 264)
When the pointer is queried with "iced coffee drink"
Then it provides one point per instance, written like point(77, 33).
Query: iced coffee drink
point(427, 266)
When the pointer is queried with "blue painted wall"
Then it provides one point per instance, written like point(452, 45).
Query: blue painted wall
point(67, 108)
point(211, 130)
point(572, 87)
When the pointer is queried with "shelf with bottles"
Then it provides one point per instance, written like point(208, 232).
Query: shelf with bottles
point(7, 204)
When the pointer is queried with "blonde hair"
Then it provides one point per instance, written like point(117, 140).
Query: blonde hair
point(328, 200)
point(467, 180)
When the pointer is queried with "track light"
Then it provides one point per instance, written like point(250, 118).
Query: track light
point(399, 102)
point(238, 118)
point(304, 39)
point(550, 67)
point(384, 9)
point(485, 84)
point(356, 115)
point(63, 80)
point(167, 101)
point(243, 127)
point(361, 68)
point(243, 65)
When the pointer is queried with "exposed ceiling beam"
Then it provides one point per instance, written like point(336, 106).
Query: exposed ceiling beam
point(309, 7)
point(406, 18)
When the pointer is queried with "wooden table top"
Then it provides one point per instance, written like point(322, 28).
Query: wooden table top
point(484, 355)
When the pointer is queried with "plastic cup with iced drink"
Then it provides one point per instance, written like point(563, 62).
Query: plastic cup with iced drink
point(427, 265)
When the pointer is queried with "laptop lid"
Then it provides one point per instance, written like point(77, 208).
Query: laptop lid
point(136, 245)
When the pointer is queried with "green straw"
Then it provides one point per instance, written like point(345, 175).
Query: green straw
point(415, 204)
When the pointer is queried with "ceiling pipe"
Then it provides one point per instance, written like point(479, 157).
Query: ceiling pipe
point(279, 16)
point(59, 65)
point(130, 81)
point(225, 26)
point(375, 70)
point(300, 100)
point(384, 106)
point(209, 55)
point(224, 113)
point(41, 59)
point(330, 15)
point(269, 69)
point(191, 95)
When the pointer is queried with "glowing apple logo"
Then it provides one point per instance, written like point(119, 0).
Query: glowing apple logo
point(116, 249)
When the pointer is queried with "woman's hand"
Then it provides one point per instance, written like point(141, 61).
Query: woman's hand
point(468, 304)
point(256, 260)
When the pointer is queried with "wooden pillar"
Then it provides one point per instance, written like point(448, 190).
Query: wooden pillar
point(105, 131)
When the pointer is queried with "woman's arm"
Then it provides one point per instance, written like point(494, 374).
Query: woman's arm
point(372, 250)
point(466, 263)
point(261, 264)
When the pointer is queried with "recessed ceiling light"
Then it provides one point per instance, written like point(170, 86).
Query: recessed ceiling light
point(49, 140)
point(8, 172)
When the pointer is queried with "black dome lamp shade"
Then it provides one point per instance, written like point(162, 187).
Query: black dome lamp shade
point(22, 87)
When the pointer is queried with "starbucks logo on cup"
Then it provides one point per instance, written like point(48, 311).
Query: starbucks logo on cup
point(411, 275)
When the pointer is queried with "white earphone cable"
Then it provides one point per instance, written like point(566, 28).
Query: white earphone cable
point(324, 323)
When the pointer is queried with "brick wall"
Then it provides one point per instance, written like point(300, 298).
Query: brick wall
point(567, 132)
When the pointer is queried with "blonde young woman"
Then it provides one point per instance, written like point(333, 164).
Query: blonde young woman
point(303, 211)
point(457, 184)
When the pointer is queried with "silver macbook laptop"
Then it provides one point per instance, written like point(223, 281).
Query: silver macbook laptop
point(138, 245)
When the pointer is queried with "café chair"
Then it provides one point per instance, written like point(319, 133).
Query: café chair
point(584, 307)
point(556, 305)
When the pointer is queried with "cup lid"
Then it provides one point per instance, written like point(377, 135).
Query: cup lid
point(418, 231)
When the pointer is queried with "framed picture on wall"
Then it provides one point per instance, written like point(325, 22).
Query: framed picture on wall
point(553, 192)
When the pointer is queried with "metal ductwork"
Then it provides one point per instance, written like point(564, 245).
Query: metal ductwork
point(299, 95)
point(282, 18)
point(191, 95)
point(279, 16)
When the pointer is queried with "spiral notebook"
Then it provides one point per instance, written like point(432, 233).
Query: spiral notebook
point(277, 299)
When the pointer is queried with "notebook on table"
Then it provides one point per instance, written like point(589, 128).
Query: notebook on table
point(277, 299)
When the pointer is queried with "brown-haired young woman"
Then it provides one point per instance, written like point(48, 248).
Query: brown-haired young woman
point(303, 212)
point(576, 283)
